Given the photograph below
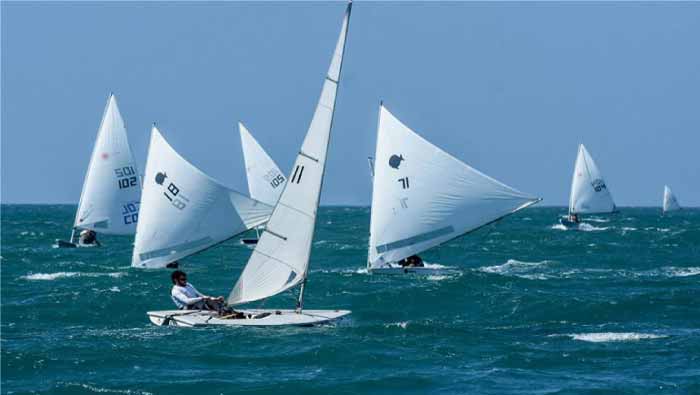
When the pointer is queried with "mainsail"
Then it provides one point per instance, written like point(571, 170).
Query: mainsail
point(423, 197)
point(281, 258)
point(589, 193)
point(670, 201)
point(183, 211)
point(265, 180)
point(109, 201)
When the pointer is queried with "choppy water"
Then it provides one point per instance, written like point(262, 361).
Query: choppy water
point(613, 308)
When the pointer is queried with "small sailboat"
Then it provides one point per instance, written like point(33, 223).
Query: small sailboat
point(184, 211)
point(589, 192)
point(423, 197)
point(280, 260)
point(670, 201)
point(109, 201)
point(265, 180)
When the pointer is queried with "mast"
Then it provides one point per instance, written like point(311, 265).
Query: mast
point(300, 302)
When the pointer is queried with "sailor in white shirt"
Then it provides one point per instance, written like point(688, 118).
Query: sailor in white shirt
point(186, 297)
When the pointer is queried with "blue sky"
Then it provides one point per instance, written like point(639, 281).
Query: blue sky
point(510, 88)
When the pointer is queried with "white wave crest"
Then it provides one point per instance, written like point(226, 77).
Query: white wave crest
point(559, 227)
point(518, 269)
point(590, 228)
point(604, 337)
point(682, 271)
point(401, 325)
point(56, 276)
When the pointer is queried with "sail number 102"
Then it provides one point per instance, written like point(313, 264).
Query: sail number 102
point(126, 177)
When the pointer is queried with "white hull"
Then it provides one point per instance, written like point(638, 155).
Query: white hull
point(254, 317)
point(68, 244)
point(421, 271)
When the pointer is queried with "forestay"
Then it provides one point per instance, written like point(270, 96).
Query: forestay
point(670, 201)
point(589, 192)
point(422, 196)
point(183, 211)
point(281, 258)
point(265, 180)
point(109, 201)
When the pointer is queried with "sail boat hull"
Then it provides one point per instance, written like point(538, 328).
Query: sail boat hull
point(67, 244)
point(427, 270)
point(568, 224)
point(254, 317)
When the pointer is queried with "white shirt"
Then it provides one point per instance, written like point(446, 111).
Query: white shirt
point(186, 296)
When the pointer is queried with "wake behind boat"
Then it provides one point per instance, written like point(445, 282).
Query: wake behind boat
point(109, 200)
point(423, 197)
point(589, 192)
point(280, 260)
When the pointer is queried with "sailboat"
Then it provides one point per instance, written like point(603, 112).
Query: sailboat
point(280, 261)
point(670, 201)
point(423, 197)
point(184, 211)
point(109, 201)
point(589, 192)
point(265, 180)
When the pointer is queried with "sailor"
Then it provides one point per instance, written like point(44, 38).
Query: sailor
point(412, 261)
point(186, 297)
point(88, 236)
point(573, 217)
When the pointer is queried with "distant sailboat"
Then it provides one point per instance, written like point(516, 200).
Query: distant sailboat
point(184, 211)
point(670, 201)
point(589, 192)
point(265, 180)
point(109, 201)
point(280, 260)
point(423, 197)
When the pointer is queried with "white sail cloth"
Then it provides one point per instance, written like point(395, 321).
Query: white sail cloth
point(183, 211)
point(281, 258)
point(589, 192)
point(109, 201)
point(265, 180)
point(423, 197)
point(670, 201)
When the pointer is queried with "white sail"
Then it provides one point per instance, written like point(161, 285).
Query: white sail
point(183, 211)
point(109, 201)
point(589, 193)
point(423, 197)
point(281, 258)
point(265, 180)
point(670, 201)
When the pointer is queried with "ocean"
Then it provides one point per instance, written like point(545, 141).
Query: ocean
point(529, 308)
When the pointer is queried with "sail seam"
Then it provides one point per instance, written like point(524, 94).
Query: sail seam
point(295, 209)
point(276, 260)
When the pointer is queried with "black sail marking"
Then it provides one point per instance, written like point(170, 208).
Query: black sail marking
point(300, 173)
point(296, 169)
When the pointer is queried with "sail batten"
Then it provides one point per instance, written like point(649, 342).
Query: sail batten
point(423, 197)
point(280, 263)
point(184, 211)
point(109, 200)
point(589, 191)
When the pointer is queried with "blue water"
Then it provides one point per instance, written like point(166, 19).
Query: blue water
point(530, 309)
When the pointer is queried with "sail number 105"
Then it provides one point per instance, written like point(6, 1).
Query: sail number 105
point(126, 177)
